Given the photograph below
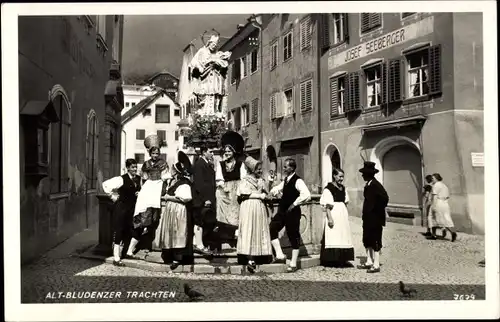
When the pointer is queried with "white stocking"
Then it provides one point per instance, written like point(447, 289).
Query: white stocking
point(116, 253)
point(295, 257)
point(376, 260)
point(277, 249)
point(131, 247)
point(369, 256)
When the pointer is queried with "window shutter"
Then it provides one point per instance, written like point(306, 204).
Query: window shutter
point(353, 98)
point(309, 95)
point(346, 26)
point(273, 106)
point(305, 33)
point(325, 30)
point(435, 80)
point(365, 22)
point(334, 109)
point(376, 20)
point(394, 81)
point(383, 83)
point(255, 110)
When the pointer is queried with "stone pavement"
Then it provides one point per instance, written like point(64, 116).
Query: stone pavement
point(436, 269)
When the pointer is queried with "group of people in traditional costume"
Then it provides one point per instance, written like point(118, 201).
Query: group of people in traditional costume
point(196, 208)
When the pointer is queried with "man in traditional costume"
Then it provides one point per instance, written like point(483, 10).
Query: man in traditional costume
point(209, 69)
point(123, 190)
point(294, 193)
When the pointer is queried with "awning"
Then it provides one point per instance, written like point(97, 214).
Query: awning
point(35, 108)
point(408, 121)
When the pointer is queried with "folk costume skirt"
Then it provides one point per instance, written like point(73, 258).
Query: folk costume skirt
point(337, 244)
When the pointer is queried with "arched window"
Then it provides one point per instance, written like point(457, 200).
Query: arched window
point(92, 149)
point(60, 136)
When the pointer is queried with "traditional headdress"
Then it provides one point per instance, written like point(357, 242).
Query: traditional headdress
point(234, 140)
point(183, 164)
point(368, 167)
point(152, 141)
point(251, 163)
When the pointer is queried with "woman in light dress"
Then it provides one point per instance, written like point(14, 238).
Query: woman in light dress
point(441, 208)
point(172, 235)
point(254, 240)
point(148, 207)
point(336, 247)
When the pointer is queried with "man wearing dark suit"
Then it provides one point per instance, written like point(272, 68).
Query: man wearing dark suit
point(376, 200)
point(203, 198)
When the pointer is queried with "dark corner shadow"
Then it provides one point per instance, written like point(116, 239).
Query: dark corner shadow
point(262, 290)
point(352, 116)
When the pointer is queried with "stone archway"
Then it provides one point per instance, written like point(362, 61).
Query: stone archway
point(331, 159)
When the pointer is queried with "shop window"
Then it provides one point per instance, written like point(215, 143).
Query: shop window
point(370, 21)
point(288, 46)
point(337, 96)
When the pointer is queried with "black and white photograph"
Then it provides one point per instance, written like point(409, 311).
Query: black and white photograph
point(311, 161)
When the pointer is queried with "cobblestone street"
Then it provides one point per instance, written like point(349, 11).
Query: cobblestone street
point(436, 269)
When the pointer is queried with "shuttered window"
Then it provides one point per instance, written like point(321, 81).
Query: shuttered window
point(394, 81)
point(60, 147)
point(235, 71)
point(340, 28)
point(337, 96)
point(353, 103)
point(162, 135)
point(305, 33)
point(435, 82)
point(272, 106)
point(373, 81)
point(244, 66)
point(274, 54)
point(255, 110)
point(306, 96)
point(287, 46)
point(140, 134)
point(370, 21)
point(245, 114)
point(254, 61)
point(325, 31)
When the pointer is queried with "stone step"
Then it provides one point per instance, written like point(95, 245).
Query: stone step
point(203, 266)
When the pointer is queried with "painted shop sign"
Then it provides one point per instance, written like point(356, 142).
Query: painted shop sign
point(477, 159)
point(391, 39)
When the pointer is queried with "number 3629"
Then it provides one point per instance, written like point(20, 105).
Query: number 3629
point(464, 297)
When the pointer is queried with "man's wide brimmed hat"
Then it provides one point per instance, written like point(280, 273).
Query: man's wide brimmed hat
point(183, 164)
point(152, 141)
point(368, 167)
point(233, 139)
point(251, 163)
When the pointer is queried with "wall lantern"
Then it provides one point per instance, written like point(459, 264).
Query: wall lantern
point(36, 117)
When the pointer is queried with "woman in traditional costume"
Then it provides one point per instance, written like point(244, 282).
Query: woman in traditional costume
point(174, 235)
point(148, 207)
point(254, 239)
point(336, 247)
point(123, 190)
point(228, 175)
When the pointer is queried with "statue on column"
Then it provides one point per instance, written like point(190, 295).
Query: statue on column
point(208, 71)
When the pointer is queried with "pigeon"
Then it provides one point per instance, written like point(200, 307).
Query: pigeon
point(192, 294)
point(406, 291)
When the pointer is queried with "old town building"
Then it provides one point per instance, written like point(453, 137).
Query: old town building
point(70, 100)
point(148, 110)
point(405, 90)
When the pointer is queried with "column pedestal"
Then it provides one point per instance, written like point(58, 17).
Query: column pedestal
point(104, 247)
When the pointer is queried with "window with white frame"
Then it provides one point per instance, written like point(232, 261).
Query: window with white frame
point(417, 64)
point(370, 21)
point(254, 61)
point(245, 115)
point(337, 95)
point(244, 66)
point(339, 21)
point(274, 54)
point(287, 46)
point(305, 33)
point(306, 95)
point(373, 86)
point(288, 101)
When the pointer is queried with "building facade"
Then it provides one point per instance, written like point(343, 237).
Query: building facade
point(148, 110)
point(70, 100)
point(405, 90)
